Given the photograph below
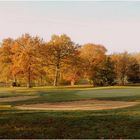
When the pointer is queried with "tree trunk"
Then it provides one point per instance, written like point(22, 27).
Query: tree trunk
point(56, 76)
point(29, 78)
point(122, 81)
point(41, 81)
point(14, 79)
point(72, 82)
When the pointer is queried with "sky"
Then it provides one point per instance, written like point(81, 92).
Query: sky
point(114, 24)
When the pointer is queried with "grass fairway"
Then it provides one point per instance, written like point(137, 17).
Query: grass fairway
point(115, 123)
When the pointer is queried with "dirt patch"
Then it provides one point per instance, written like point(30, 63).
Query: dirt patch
point(79, 105)
point(18, 98)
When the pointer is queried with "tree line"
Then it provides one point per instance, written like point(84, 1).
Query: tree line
point(31, 61)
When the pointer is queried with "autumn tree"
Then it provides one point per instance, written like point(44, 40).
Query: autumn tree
point(27, 62)
point(59, 50)
point(122, 63)
point(93, 55)
point(73, 70)
point(6, 59)
point(137, 56)
point(32, 60)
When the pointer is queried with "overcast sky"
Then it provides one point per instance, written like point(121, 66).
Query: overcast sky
point(116, 25)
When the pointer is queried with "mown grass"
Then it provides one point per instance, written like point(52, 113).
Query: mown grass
point(69, 94)
point(117, 123)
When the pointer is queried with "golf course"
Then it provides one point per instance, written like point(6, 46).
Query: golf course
point(70, 112)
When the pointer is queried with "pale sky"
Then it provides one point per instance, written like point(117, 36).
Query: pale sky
point(116, 25)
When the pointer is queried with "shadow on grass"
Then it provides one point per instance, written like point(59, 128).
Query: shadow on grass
point(70, 124)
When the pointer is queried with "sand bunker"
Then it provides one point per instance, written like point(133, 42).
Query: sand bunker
point(18, 98)
point(78, 105)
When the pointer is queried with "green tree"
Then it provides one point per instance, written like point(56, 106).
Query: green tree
point(133, 74)
point(103, 73)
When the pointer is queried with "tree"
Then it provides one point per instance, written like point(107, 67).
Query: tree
point(30, 60)
point(133, 74)
point(122, 63)
point(59, 50)
point(109, 71)
point(103, 73)
point(93, 55)
point(26, 61)
point(73, 70)
point(137, 57)
point(6, 59)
